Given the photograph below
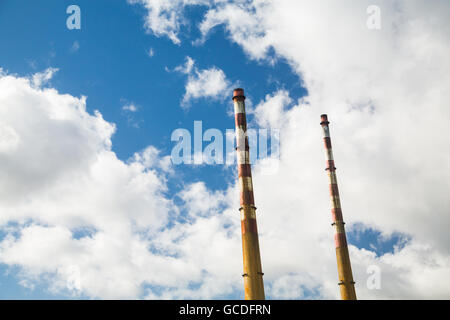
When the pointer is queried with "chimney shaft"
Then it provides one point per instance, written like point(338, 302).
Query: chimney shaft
point(253, 275)
point(346, 283)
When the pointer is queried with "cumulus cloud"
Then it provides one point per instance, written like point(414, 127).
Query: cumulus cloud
point(244, 26)
point(200, 201)
point(204, 83)
point(386, 108)
point(386, 95)
point(187, 67)
point(151, 157)
point(346, 76)
point(270, 112)
point(165, 18)
point(43, 77)
point(9, 139)
point(80, 220)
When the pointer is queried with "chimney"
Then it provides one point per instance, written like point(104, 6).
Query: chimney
point(346, 283)
point(253, 275)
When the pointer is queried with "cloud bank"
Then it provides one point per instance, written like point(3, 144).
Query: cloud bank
point(385, 93)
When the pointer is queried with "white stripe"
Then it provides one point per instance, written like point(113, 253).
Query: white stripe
point(249, 212)
point(335, 203)
point(339, 228)
point(329, 154)
point(243, 157)
point(240, 133)
point(239, 106)
point(246, 183)
point(332, 176)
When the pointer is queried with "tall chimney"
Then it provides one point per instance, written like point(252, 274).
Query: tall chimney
point(253, 275)
point(346, 283)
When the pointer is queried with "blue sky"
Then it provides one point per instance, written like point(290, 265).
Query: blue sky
point(108, 61)
point(112, 67)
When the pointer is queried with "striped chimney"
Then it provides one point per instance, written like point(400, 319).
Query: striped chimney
point(253, 275)
point(346, 283)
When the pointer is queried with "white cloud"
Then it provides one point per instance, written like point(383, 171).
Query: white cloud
point(150, 158)
point(75, 47)
point(165, 18)
point(130, 107)
point(43, 77)
point(270, 113)
point(187, 68)
point(245, 27)
point(82, 222)
point(200, 201)
point(205, 83)
point(61, 178)
point(386, 95)
point(9, 139)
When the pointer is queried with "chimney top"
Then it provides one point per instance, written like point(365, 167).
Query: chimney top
point(324, 119)
point(238, 93)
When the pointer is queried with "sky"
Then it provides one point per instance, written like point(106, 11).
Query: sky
point(93, 205)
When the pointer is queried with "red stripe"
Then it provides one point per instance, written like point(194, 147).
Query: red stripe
point(336, 214)
point(340, 240)
point(247, 198)
point(334, 191)
point(241, 120)
point(239, 145)
point(244, 170)
point(252, 226)
point(249, 226)
point(330, 165)
point(327, 141)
